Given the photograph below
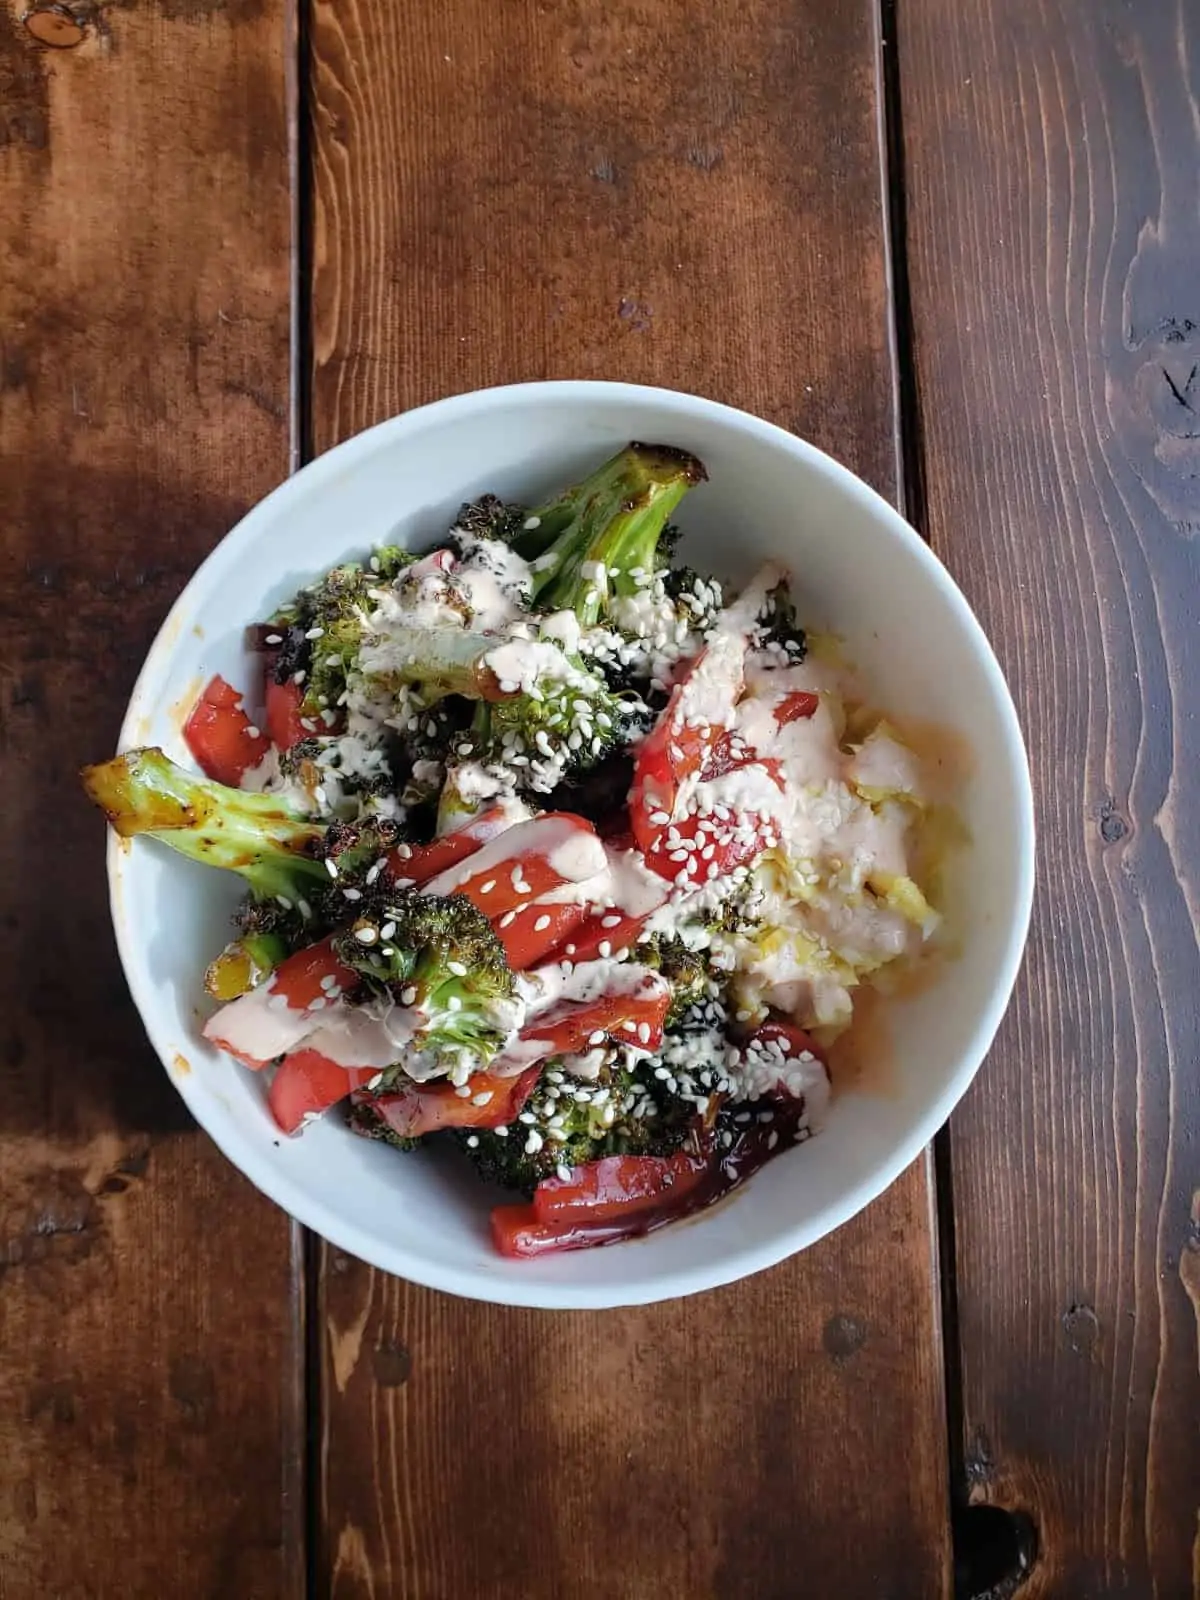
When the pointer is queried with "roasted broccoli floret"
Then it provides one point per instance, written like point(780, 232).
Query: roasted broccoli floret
point(321, 631)
point(571, 726)
point(566, 1121)
point(684, 970)
point(259, 836)
point(489, 518)
point(609, 530)
point(439, 958)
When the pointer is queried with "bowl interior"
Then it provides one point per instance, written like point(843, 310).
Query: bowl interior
point(860, 572)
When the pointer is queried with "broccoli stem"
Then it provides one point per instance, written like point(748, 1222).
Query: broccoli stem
point(442, 660)
point(258, 836)
point(614, 519)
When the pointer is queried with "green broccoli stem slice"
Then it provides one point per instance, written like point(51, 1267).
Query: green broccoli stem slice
point(258, 836)
point(613, 520)
point(443, 661)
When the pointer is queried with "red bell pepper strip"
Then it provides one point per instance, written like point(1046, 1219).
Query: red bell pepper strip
point(418, 863)
point(421, 1108)
point(221, 736)
point(634, 1018)
point(529, 935)
point(524, 863)
point(620, 1198)
point(796, 707)
point(692, 740)
point(609, 930)
point(285, 724)
point(518, 1232)
point(273, 1018)
point(698, 712)
point(307, 1083)
point(616, 1187)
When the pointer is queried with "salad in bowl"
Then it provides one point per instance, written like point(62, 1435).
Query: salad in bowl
point(556, 850)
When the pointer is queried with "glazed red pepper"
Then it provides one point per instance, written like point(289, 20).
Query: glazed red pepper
point(307, 1083)
point(298, 980)
point(525, 862)
point(616, 1187)
point(221, 736)
point(796, 707)
point(421, 1108)
point(536, 930)
point(567, 1027)
point(285, 725)
point(693, 739)
point(418, 863)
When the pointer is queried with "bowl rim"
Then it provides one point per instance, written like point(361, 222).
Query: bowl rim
point(510, 1288)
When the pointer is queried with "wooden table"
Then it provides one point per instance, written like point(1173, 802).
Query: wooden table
point(956, 243)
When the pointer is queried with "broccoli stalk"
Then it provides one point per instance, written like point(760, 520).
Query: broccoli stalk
point(590, 542)
point(258, 836)
point(439, 959)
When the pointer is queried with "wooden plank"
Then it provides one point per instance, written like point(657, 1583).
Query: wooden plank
point(689, 196)
point(150, 1408)
point(1052, 152)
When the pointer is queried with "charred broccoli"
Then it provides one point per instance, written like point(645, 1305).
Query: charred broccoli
point(259, 836)
point(566, 1121)
point(439, 959)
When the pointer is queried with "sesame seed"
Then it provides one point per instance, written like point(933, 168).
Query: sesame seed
point(331, 866)
point(604, 949)
point(352, 894)
point(407, 996)
point(463, 1091)
point(597, 1037)
point(305, 910)
point(299, 677)
point(644, 1032)
point(284, 901)
point(274, 638)
point(541, 925)
point(387, 930)
point(501, 1132)
point(526, 1117)
point(315, 633)
point(534, 1142)
point(366, 935)
point(483, 1098)
point(507, 920)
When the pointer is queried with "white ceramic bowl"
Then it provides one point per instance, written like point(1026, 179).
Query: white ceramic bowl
point(860, 571)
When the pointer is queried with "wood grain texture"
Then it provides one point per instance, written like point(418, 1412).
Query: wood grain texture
point(691, 196)
point(1052, 153)
point(149, 1381)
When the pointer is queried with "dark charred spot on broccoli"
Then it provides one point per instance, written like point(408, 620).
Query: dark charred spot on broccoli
point(597, 793)
point(489, 517)
point(292, 655)
point(779, 625)
point(292, 761)
point(365, 1119)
